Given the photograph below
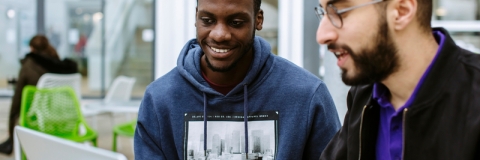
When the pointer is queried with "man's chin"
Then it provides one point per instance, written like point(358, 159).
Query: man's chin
point(354, 80)
point(348, 80)
point(219, 68)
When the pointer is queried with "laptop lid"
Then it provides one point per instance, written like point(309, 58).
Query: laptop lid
point(40, 146)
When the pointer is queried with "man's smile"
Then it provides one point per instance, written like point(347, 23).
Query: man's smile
point(342, 56)
point(218, 50)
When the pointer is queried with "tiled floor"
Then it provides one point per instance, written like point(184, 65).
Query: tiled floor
point(104, 129)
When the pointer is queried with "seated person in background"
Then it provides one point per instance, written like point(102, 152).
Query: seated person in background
point(42, 59)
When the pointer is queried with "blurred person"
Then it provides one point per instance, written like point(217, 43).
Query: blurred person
point(80, 46)
point(43, 58)
point(415, 94)
point(230, 97)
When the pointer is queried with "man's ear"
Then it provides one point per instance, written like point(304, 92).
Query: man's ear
point(405, 13)
point(259, 20)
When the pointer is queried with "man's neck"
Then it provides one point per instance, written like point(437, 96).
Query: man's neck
point(234, 76)
point(416, 52)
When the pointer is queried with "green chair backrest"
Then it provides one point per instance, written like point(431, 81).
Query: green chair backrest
point(54, 111)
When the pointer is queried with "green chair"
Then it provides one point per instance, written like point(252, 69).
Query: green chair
point(125, 129)
point(55, 111)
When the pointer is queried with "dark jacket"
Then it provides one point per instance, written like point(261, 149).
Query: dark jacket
point(33, 67)
point(442, 123)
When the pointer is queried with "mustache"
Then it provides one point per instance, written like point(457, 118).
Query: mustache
point(340, 46)
point(214, 43)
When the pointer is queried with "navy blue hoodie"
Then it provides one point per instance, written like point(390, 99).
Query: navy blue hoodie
point(279, 111)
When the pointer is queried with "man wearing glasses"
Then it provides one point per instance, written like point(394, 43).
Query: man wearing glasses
point(414, 95)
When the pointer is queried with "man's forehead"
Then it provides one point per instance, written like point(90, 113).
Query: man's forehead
point(225, 7)
point(224, 1)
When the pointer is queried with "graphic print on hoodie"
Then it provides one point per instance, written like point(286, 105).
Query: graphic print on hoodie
point(225, 136)
point(180, 107)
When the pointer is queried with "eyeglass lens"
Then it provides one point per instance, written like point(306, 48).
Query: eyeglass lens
point(333, 16)
point(319, 12)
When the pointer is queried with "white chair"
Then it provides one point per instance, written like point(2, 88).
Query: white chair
point(120, 90)
point(118, 95)
point(74, 80)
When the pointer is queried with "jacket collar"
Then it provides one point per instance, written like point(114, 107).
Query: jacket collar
point(441, 69)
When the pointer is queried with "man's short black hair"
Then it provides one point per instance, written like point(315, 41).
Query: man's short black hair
point(256, 5)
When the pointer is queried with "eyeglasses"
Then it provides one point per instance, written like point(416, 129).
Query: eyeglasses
point(334, 14)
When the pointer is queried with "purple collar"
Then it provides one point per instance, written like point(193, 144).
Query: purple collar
point(380, 92)
point(389, 140)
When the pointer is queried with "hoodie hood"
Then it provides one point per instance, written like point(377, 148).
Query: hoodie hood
point(188, 64)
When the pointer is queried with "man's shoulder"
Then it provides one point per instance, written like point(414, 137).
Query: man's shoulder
point(294, 71)
point(286, 76)
point(167, 83)
point(30, 66)
point(470, 59)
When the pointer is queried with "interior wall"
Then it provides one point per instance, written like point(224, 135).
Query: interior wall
point(175, 25)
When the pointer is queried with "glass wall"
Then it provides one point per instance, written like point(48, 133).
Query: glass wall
point(462, 15)
point(70, 24)
point(270, 24)
point(107, 38)
point(17, 26)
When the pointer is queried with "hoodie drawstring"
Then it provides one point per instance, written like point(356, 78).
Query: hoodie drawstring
point(245, 120)
point(245, 117)
point(205, 123)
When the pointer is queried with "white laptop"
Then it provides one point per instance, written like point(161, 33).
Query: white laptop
point(40, 146)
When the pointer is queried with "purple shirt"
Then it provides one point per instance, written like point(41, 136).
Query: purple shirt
point(389, 140)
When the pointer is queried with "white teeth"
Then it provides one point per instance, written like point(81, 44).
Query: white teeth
point(339, 53)
point(220, 50)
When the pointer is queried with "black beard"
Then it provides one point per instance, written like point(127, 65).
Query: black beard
point(376, 64)
point(248, 47)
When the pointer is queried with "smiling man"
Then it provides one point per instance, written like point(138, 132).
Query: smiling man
point(414, 95)
point(230, 98)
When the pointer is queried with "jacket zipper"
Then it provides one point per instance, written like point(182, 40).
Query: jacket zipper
point(360, 134)
point(403, 132)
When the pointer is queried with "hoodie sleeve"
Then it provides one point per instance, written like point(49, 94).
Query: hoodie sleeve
point(337, 148)
point(147, 134)
point(324, 123)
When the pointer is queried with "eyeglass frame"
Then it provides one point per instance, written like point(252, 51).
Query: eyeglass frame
point(338, 13)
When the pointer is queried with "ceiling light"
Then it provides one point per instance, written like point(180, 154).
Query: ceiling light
point(11, 13)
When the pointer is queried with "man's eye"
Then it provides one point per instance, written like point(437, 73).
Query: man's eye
point(207, 20)
point(236, 23)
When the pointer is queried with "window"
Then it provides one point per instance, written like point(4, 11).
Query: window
point(462, 19)
point(18, 25)
point(106, 38)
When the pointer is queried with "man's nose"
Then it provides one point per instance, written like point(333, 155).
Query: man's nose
point(326, 32)
point(221, 33)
